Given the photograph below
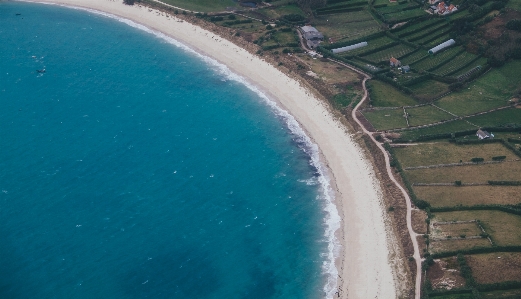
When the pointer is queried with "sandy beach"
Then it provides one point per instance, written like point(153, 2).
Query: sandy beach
point(364, 262)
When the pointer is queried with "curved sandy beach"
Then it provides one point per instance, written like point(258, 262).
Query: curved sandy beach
point(364, 267)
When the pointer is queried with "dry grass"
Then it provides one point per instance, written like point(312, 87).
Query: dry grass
point(445, 152)
point(418, 221)
point(455, 230)
point(504, 228)
point(503, 294)
point(331, 73)
point(495, 267)
point(445, 274)
point(506, 171)
point(449, 196)
point(460, 244)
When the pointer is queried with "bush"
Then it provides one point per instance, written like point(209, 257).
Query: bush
point(457, 183)
point(294, 18)
point(499, 158)
point(215, 19)
point(514, 24)
point(176, 11)
point(477, 160)
point(232, 17)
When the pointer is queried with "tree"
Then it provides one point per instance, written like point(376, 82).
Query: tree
point(129, 2)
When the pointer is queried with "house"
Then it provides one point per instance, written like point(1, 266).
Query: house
point(394, 62)
point(431, 2)
point(312, 35)
point(482, 134)
point(406, 69)
point(444, 9)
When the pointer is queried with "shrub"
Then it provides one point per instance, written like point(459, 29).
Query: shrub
point(215, 19)
point(176, 11)
point(294, 18)
point(391, 208)
point(499, 158)
point(477, 160)
point(232, 17)
point(514, 24)
point(269, 27)
point(457, 183)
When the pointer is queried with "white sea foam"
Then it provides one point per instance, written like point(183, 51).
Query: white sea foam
point(332, 219)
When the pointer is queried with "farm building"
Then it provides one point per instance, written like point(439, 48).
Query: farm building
point(482, 134)
point(406, 69)
point(312, 35)
point(444, 9)
point(394, 62)
point(349, 48)
point(442, 46)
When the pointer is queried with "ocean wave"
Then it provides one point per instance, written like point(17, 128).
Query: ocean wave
point(304, 142)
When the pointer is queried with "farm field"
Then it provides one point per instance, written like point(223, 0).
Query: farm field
point(202, 5)
point(413, 57)
point(386, 119)
point(445, 273)
point(457, 244)
point(384, 55)
point(451, 196)
point(514, 4)
point(495, 267)
point(437, 59)
point(429, 89)
point(425, 115)
point(453, 65)
point(480, 173)
point(371, 45)
point(449, 127)
point(446, 152)
point(503, 294)
point(498, 118)
point(407, 30)
point(404, 15)
point(284, 38)
point(480, 62)
point(279, 11)
point(491, 90)
point(504, 228)
point(454, 230)
point(427, 32)
point(384, 95)
point(346, 26)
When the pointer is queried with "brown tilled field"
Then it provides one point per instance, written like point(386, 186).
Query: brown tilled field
point(450, 196)
point(495, 267)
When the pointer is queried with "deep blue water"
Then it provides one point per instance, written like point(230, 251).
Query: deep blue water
point(132, 168)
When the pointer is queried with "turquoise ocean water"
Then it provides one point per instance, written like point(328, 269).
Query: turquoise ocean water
point(135, 168)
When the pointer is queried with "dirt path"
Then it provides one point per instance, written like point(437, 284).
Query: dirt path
point(412, 234)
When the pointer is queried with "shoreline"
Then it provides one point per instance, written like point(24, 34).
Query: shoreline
point(364, 269)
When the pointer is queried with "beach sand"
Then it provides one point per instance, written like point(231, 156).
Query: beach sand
point(364, 266)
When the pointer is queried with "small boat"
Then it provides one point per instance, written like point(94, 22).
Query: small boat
point(40, 71)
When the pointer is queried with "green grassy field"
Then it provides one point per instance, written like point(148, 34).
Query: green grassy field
point(450, 127)
point(451, 196)
point(480, 62)
point(429, 89)
point(425, 115)
point(454, 245)
point(514, 4)
point(417, 55)
point(386, 119)
point(445, 152)
point(455, 64)
point(495, 267)
point(437, 59)
point(507, 171)
point(384, 55)
point(498, 118)
point(384, 95)
point(504, 228)
point(404, 15)
point(279, 11)
point(492, 90)
point(284, 38)
point(202, 5)
point(410, 29)
point(346, 26)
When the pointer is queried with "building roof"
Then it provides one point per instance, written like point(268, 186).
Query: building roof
point(307, 29)
point(313, 35)
point(482, 134)
point(406, 68)
point(394, 60)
